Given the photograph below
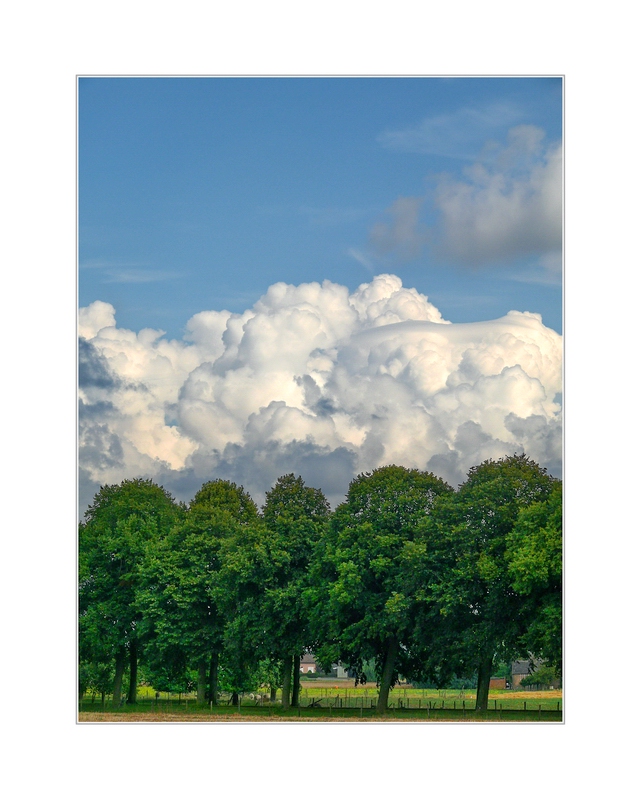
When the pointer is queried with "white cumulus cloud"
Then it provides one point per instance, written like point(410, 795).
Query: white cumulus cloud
point(507, 205)
point(315, 380)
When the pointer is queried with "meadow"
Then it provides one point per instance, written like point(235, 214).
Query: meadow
point(334, 701)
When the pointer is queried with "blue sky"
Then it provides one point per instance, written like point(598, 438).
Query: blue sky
point(319, 276)
point(199, 193)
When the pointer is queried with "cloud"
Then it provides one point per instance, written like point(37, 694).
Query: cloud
point(457, 135)
point(505, 207)
point(128, 272)
point(404, 234)
point(140, 275)
point(95, 317)
point(316, 380)
point(361, 258)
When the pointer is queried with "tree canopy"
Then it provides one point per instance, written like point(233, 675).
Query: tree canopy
point(407, 577)
point(112, 545)
point(361, 603)
point(484, 616)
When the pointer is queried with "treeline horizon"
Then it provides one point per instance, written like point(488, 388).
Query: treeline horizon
point(406, 575)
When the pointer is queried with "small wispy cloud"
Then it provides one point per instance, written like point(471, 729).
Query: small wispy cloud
point(456, 135)
point(139, 275)
point(361, 258)
point(116, 271)
point(547, 271)
point(106, 263)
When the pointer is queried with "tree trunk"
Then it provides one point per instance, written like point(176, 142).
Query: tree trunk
point(387, 674)
point(133, 673)
point(295, 695)
point(234, 699)
point(273, 693)
point(117, 681)
point(202, 681)
point(484, 678)
point(213, 679)
point(286, 682)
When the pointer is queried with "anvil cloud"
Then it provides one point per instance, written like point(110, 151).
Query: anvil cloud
point(317, 381)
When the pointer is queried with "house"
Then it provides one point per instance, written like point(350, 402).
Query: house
point(308, 663)
point(519, 670)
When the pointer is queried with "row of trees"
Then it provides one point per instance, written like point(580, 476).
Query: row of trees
point(408, 574)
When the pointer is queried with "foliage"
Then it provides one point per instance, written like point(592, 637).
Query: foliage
point(482, 617)
point(542, 676)
point(112, 544)
point(295, 516)
point(407, 577)
point(184, 611)
point(358, 596)
point(95, 677)
point(534, 563)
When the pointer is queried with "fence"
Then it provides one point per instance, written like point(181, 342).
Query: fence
point(456, 703)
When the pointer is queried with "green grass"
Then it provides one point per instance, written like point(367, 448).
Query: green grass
point(353, 702)
point(149, 712)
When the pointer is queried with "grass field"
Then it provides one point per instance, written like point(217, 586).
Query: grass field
point(336, 701)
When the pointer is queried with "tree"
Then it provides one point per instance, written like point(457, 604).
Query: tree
point(247, 566)
point(544, 675)
point(360, 605)
point(184, 611)
point(482, 616)
point(534, 564)
point(112, 542)
point(295, 516)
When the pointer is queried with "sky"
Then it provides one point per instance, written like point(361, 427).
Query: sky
point(317, 275)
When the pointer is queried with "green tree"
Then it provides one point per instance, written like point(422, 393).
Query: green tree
point(247, 567)
point(360, 605)
point(95, 677)
point(184, 611)
point(481, 616)
point(111, 546)
point(295, 516)
point(534, 563)
point(544, 675)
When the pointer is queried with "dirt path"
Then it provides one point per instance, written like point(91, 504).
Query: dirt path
point(88, 716)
